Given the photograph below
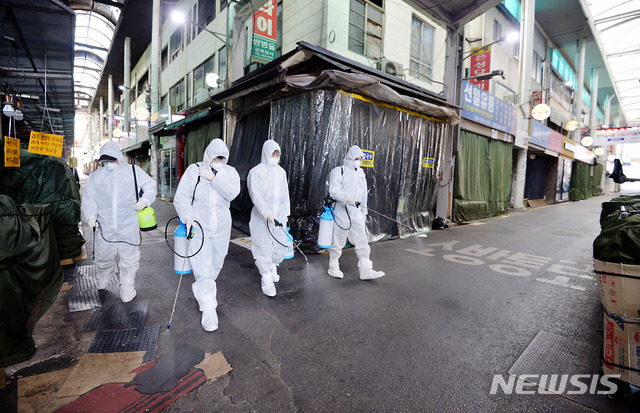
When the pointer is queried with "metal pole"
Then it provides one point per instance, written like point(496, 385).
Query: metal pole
point(156, 30)
point(110, 108)
point(127, 83)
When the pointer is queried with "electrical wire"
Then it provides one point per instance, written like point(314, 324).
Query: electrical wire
point(166, 239)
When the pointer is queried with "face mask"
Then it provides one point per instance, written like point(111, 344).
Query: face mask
point(111, 166)
point(356, 164)
point(217, 166)
point(274, 161)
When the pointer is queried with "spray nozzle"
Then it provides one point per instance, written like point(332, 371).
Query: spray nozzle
point(277, 223)
point(357, 204)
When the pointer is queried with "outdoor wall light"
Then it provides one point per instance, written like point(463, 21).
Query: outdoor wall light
point(212, 79)
point(17, 114)
point(179, 17)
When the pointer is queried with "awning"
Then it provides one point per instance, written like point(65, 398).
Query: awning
point(136, 146)
point(190, 118)
point(155, 129)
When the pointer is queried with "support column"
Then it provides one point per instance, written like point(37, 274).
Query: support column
point(127, 83)
point(101, 124)
point(110, 108)
point(453, 82)
point(156, 30)
point(607, 109)
point(577, 98)
point(527, 21)
point(593, 118)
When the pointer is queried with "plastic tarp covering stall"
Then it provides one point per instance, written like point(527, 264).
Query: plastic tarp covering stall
point(198, 138)
point(315, 129)
point(619, 240)
point(48, 180)
point(482, 178)
point(30, 275)
point(611, 209)
point(583, 184)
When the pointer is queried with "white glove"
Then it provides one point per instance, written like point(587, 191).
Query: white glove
point(206, 173)
point(93, 222)
point(351, 201)
point(272, 219)
point(140, 205)
point(189, 224)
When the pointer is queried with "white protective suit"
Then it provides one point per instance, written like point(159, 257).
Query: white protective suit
point(269, 193)
point(210, 209)
point(109, 197)
point(348, 183)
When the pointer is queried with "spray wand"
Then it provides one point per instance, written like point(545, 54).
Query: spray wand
point(279, 224)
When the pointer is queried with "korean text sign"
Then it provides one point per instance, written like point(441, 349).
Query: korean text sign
point(480, 65)
point(486, 109)
point(263, 48)
point(11, 152)
point(46, 144)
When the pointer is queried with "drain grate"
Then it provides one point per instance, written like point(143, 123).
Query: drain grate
point(117, 316)
point(549, 354)
point(84, 294)
point(120, 341)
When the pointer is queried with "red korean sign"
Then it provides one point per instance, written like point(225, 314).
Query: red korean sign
point(480, 65)
point(265, 37)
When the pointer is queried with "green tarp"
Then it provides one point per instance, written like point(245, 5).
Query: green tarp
point(482, 178)
point(619, 241)
point(198, 139)
point(585, 182)
point(44, 179)
point(30, 275)
point(611, 209)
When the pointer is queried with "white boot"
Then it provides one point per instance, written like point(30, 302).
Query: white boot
point(334, 269)
point(210, 320)
point(268, 288)
point(127, 292)
point(274, 274)
point(366, 270)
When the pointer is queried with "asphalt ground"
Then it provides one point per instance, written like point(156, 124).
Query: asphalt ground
point(455, 308)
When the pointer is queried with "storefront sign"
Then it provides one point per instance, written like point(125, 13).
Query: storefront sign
point(369, 156)
point(540, 112)
point(46, 144)
point(616, 136)
point(568, 147)
point(486, 109)
point(536, 97)
point(480, 65)
point(142, 114)
point(428, 163)
point(264, 41)
point(546, 137)
point(572, 125)
point(11, 152)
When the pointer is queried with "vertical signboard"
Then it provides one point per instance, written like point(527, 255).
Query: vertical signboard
point(480, 65)
point(263, 48)
point(11, 152)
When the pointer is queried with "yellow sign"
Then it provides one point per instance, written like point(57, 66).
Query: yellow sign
point(428, 162)
point(46, 144)
point(11, 152)
point(367, 160)
point(73, 161)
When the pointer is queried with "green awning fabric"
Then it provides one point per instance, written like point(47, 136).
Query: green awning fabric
point(198, 139)
point(482, 178)
point(190, 118)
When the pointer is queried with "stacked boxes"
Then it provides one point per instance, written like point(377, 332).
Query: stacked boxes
point(620, 297)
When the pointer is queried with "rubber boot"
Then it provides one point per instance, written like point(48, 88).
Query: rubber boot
point(366, 270)
point(210, 320)
point(334, 269)
point(268, 288)
point(274, 274)
point(127, 292)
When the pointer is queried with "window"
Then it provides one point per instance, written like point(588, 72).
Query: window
point(497, 31)
point(206, 12)
point(175, 43)
point(164, 58)
point(143, 84)
point(536, 69)
point(421, 54)
point(176, 96)
point(365, 28)
point(222, 63)
point(200, 74)
point(223, 4)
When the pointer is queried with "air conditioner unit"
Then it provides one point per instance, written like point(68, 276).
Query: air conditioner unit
point(390, 67)
point(202, 94)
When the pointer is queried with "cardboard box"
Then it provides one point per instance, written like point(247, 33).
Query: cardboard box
point(619, 288)
point(622, 347)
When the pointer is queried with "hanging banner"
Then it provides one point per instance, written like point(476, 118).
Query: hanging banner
point(11, 152)
point(480, 65)
point(264, 40)
point(616, 136)
point(46, 144)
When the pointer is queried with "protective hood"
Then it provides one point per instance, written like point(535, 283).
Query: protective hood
point(267, 150)
point(352, 154)
point(216, 148)
point(112, 149)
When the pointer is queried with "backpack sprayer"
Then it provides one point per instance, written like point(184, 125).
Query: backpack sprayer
point(289, 240)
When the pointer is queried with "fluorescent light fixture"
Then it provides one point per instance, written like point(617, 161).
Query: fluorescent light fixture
point(512, 37)
point(177, 16)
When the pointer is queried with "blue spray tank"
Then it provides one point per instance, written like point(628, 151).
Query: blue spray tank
point(181, 265)
point(289, 246)
point(325, 233)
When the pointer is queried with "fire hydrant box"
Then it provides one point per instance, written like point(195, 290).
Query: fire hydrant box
point(619, 287)
point(621, 347)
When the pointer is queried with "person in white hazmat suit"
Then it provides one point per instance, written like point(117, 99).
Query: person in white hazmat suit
point(269, 193)
point(204, 194)
point(109, 201)
point(348, 186)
